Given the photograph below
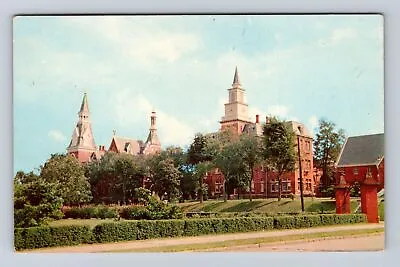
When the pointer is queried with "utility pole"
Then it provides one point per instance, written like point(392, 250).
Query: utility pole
point(301, 174)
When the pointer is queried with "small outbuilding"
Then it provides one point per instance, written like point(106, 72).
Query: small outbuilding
point(361, 161)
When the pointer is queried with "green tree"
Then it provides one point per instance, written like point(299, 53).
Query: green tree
point(232, 165)
point(116, 176)
point(36, 201)
point(279, 149)
point(199, 158)
point(327, 145)
point(69, 175)
point(165, 177)
point(251, 151)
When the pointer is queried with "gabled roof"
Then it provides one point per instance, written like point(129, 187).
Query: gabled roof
point(362, 150)
point(253, 129)
point(98, 154)
point(299, 128)
point(127, 145)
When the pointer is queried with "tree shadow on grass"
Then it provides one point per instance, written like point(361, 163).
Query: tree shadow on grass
point(211, 206)
point(323, 206)
point(282, 203)
point(243, 206)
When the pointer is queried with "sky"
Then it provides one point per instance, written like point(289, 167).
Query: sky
point(297, 67)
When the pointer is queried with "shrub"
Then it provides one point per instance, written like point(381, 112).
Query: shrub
point(100, 212)
point(155, 210)
point(138, 230)
point(113, 232)
point(35, 201)
point(305, 221)
point(196, 227)
point(134, 213)
point(38, 237)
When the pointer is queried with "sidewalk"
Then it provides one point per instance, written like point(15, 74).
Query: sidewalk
point(85, 248)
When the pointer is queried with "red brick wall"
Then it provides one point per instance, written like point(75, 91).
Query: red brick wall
point(352, 176)
point(82, 156)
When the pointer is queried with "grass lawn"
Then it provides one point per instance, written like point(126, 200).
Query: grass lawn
point(272, 206)
point(381, 210)
point(251, 241)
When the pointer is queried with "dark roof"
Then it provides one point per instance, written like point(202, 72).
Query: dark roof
point(362, 150)
point(236, 77)
point(84, 105)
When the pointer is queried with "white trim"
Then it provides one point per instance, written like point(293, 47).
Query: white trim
point(341, 151)
point(356, 165)
point(380, 161)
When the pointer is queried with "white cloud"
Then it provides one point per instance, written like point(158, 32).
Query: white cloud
point(163, 46)
point(57, 136)
point(129, 109)
point(280, 111)
point(173, 131)
point(338, 36)
point(313, 123)
point(146, 42)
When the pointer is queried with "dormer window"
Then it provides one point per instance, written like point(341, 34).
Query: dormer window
point(127, 147)
point(300, 129)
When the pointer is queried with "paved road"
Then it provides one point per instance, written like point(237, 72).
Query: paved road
point(198, 240)
point(373, 242)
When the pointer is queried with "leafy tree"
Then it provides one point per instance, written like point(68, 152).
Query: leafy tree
point(116, 176)
point(279, 149)
point(251, 151)
point(230, 161)
point(69, 175)
point(165, 177)
point(36, 201)
point(200, 160)
point(327, 145)
point(143, 195)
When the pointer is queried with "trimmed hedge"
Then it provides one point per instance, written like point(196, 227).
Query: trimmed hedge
point(204, 214)
point(36, 237)
point(154, 211)
point(39, 237)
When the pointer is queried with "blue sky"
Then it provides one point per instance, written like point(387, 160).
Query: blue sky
point(296, 67)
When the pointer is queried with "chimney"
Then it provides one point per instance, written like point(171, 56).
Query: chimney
point(257, 118)
point(99, 148)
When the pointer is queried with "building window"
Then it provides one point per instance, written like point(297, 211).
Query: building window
point(252, 186)
point(284, 186)
point(262, 187)
point(217, 189)
point(274, 186)
point(355, 171)
point(308, 145)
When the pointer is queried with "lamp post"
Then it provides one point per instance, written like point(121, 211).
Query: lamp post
point(301, 174)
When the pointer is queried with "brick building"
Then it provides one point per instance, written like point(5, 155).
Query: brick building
point(83, 146)
point(264, 184)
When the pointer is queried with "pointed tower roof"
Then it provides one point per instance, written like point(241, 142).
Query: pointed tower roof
point(82, 140)
point(236, 80)
point(152, 144)
point(84, 105)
